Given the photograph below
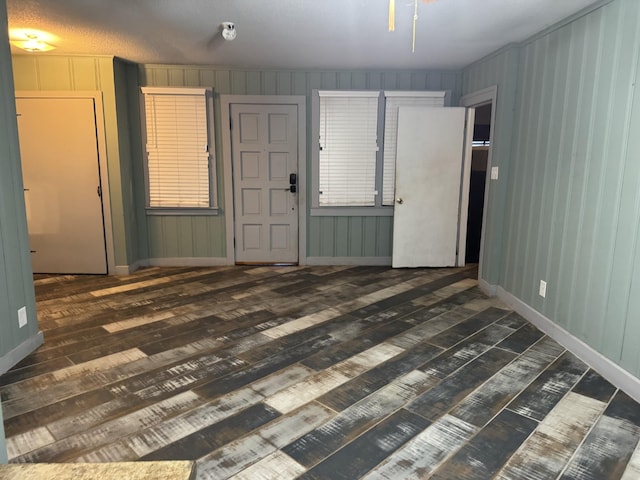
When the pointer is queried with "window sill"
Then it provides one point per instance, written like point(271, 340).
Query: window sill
point(352, 212)
point(182, 211)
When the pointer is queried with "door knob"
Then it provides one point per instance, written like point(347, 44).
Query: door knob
point(399, 201)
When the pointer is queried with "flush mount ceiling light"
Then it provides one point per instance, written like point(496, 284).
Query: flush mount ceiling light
point(228, 31)
point(31, 41)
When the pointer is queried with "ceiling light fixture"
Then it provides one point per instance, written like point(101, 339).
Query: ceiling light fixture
point(31, 42)
point(228, 31)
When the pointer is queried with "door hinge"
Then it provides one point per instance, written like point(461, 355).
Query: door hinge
point(99, 191)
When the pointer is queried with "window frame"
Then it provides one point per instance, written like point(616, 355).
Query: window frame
point(207, 93)
point(378, 209)
point(316, 210)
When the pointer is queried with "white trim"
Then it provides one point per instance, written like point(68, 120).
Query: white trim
point(102, 159)
point(487, 288)
point(364, 261)
point(477, 99)
point(349, 93)
point(613, 372)
point(463, 210)
point(175, 90)
point(16, 355)
point(129, 269)
point(415, 93)
point(225, 113)
point(187, 262)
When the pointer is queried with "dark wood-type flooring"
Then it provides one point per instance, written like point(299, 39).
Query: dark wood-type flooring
point(310, 372)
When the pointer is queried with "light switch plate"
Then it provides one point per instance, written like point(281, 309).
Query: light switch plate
point(494, 173)
point(22, 317)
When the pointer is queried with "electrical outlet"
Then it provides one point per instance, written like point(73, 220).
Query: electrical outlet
point(543, 289)
point(22, 317)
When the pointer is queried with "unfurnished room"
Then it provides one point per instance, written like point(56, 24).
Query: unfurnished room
point(338, 239)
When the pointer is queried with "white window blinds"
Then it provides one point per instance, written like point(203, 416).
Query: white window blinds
point(348, 148)
point(393, 101)
point(177, 147)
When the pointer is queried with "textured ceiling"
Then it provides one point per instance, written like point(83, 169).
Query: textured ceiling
point(349, 34)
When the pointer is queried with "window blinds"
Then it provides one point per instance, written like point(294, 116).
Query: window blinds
point(394, 100)
point(177, 147)
point(348, 148)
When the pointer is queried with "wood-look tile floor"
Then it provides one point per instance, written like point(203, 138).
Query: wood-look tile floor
point(310, 372)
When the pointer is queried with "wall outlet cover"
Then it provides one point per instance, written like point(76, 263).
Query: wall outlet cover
point(543, 289)
point(22, 317)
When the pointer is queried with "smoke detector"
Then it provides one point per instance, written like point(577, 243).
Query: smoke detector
point(228, 31)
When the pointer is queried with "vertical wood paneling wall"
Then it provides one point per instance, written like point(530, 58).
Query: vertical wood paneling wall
point(78, 73)
point(16, 283)
point(570, 206)
point(327, 236)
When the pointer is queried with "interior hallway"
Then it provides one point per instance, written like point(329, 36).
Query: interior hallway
point(311, 372)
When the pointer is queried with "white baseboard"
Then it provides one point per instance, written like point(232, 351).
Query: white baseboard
point(365, 261)
point(610, 370)
point(487, 288)
point(126, 269)
point(187, 262)
point(20, 352)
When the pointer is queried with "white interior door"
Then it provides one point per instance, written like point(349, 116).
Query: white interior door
point(265, 156)
point(429, 181)
point(58, 147)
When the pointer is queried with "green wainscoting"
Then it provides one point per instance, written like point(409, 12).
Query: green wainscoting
point(568, 212)
point(327, 236)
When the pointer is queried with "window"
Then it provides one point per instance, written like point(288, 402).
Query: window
point(348, 148)
point(179, 148)
point(355, 168)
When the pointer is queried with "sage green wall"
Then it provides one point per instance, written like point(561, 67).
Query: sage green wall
point(572, 199)
point(171, 236)
point(500, 69)
point(81, 73)
point(16, 280)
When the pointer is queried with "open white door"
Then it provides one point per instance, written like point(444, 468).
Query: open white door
point(431, 187)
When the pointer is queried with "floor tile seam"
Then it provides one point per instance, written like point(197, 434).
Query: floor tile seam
point(314, 401)
point(551, 362)
point(495, 345)
point(123, 438)
point(163, 367)
point(586, 435)
point(369, 428)
point(74, 377)
point(97, 426)
point(401, 318)
point(206, 402)
point(505, 407)
point(405, 405)
point(335, 369)
point(115, 381)
point(65, 357)
point(112, 418)
point(162, 280)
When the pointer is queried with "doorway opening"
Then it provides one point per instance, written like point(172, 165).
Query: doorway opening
point(479, 165)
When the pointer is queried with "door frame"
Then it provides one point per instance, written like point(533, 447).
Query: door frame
point(227, 161)
point(103, 171)
point(477, 99)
